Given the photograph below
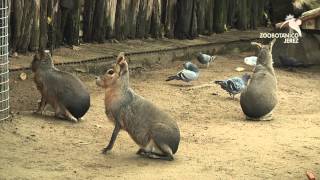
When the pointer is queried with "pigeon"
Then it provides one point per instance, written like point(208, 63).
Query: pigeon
point(205, 59)
point(189, 73)
point(234, 85)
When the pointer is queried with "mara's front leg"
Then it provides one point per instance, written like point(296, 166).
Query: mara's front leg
point(41, 105)
point(115, 133)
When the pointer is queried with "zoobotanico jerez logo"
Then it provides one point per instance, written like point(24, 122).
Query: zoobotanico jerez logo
point(294, 31)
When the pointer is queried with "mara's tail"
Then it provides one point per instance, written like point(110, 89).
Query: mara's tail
point(175, 77)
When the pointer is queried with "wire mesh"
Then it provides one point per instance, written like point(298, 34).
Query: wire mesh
point(4, 62)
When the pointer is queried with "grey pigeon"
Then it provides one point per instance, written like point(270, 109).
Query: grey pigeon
point(189, 73)
point(234, 85)
point(205, 59)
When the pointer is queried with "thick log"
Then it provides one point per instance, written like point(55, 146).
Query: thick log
point(110, 15)
point(43, 24)
point(220, 16)
point(34, 41)
point(209, 17)
point(88, 14)
point(99, 29)
point(121, 26)
point(243, 18)
point(75, 24)
point(201, 15)
point(184, 19)
point(132, 18)
point(156, 27)
point(233, 14)
point(16, 22)
point(169, 17)
point(25, 40)
point(194, 21)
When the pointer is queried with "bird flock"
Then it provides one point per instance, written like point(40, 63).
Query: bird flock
point(191, 72)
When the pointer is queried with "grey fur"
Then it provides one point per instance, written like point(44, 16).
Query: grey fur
point(62, 90)
point(153, 130)
point(260, 96)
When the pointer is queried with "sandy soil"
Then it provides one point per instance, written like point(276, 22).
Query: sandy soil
point(216, 141)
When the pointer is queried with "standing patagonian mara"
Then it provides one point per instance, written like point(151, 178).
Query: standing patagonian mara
point(205, 59)
point(189, 73)
point(260, 97)
point(234, 85)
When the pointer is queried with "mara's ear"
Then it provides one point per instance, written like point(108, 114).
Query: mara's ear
point(256, 44)
point(272, 43)
point(120, 57)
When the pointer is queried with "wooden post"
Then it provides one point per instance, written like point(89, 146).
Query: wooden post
point(169, 17)
point(220, 16)
point(43, 25)
point(88, 14)
point(132, 18)
point(110, 15)
point(34, 41)
point(184, 19)
point(156, 27)
point(99, 27)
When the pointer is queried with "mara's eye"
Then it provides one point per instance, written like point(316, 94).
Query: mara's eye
point(110, 71)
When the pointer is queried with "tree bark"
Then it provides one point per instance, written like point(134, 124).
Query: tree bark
point(110, 15)
point(220, 16)
point(34, 42)
point(132, 18)
point(184, 19)
point(156, 27)
point(88, 14)
point(169, 17)
point(43, 25)
point(99, 29)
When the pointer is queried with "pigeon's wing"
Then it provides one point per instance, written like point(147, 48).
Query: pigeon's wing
point(187, 75)
point(235, 85)
point(203, 58)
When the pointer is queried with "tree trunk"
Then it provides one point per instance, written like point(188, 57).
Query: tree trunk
point(27, 26)
point(201, 15)
point(243, 15)
point(75, 22)
point(156, 27)
point(34, 42)
point(16, 23)
point(184, 19)
point(209, 17)
point(43, 25)
point(132, 18)
point(98, 21)
point(220, 16)
point(88, 14)
point(169, 17)
point(110, 15)
point(121, 26)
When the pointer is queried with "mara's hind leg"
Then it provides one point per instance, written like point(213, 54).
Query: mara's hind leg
point(154, 151)
point(63, 113)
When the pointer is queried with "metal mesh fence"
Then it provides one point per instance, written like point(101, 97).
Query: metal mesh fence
point(4, 62)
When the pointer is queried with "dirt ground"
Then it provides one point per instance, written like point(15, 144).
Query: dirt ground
point(216, 141)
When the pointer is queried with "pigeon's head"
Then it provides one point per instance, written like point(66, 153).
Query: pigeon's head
point(246, 77)
point(118, 76)
point(265, 53)
point(190, 66)
point(42, 60)
point(187, 65)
